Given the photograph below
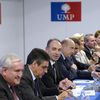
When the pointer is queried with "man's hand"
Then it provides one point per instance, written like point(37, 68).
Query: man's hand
point(74, 66)
point(65, 94)
point(66, 84)
point(92, 68)
point(95, 74)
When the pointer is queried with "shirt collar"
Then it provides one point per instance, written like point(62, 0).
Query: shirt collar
point(63, 56)
point(33, 77)
point(52, 62)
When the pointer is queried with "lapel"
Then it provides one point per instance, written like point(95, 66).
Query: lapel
point(6, 88)
point(32, 82)
point(55, 72)
point(90, 53)
point(62, 60)
point(50, 70)
point(28, 74)
point(65, 62)
point(59, 75)
point(38, 87)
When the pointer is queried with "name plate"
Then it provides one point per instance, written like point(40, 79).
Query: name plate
point(89, 92)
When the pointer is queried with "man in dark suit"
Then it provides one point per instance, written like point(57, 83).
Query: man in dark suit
point(54, 77)
point(69, 68)
point(90, 44)
point(67, 71)
point(69, 63)
point(31, 86)
point(11, 68)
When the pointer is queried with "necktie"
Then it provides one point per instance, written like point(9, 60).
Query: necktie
point(54, 71)
point(37, 87)
point(14, 93)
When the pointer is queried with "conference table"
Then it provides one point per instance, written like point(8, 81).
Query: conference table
point(80, 84)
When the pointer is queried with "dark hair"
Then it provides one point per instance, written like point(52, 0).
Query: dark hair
point(50, 40)
point(38, 55)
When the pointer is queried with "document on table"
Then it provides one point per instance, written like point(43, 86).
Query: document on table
point(83, 81)
point(80, 84)
point(77, 91)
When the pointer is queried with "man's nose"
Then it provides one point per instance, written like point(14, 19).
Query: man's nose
point(20, 74)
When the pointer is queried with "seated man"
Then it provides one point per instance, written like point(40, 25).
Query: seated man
point(67, 61)
point(90, 44)
point(54, 77)
point(11, 68)
point(31, 86)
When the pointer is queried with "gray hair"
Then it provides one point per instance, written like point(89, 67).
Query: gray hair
point(7, 60)
point(86, 37)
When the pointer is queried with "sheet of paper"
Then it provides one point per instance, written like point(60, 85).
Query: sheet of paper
point(83, 81)
point(89, 92)
point(77, 91)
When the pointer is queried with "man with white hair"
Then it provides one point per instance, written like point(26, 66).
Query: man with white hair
point(11, 69)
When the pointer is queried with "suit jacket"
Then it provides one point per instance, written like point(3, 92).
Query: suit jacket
point(5, 92)
point(88, 53)
point(72, 73)
point(81, 74)
point(67, 71)
point(27, 87)
point(49, 78)
point(80, 66)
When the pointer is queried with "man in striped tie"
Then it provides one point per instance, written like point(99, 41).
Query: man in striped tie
point(11, 69)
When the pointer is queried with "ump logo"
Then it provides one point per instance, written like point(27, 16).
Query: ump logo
point(65, 8)
point(65, 11)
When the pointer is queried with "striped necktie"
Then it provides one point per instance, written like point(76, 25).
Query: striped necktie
point(14, 93)
point(55, 73)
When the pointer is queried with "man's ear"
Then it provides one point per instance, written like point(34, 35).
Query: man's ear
point(4, 70)
point(46, 49)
